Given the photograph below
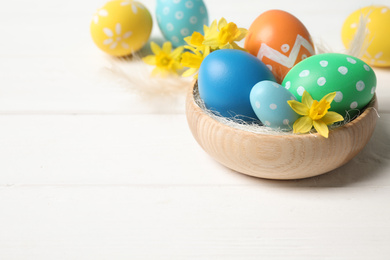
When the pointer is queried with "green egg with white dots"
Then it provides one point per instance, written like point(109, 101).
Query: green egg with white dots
point(351, 78)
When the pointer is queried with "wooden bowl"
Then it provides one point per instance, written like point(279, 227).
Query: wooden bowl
point(279, 156)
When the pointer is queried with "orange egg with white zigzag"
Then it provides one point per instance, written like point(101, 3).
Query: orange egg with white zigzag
point(280, 40)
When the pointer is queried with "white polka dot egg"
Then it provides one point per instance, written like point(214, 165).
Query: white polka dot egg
point(351, 78)
point(178, 19)
point(269, 101)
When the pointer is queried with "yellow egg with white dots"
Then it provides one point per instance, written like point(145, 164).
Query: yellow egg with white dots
point(121, 27)
point(378, 33)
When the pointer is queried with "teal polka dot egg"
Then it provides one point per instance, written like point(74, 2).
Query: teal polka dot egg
point(351, 78)
point(178, 19)
point(269, 101)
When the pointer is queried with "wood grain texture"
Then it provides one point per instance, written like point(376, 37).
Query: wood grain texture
point(89, 170)
point(193, 223)
point(280, 156)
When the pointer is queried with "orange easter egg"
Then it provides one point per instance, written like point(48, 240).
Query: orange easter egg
point(280, 40)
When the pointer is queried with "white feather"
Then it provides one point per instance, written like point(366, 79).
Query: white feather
point(360, 41)
point(163, 94)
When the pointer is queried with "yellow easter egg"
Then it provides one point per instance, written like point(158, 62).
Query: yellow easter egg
point(378, 26)
point(121, 27)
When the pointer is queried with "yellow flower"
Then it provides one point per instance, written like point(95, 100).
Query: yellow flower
point(166, 61)
point(314, 114)
point(223, 35)
point(193, 60)
point(196, 41)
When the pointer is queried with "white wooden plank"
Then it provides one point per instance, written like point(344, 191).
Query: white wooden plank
point(202, 222)
point(75, 85)
point(383, 88)
point(144, 150)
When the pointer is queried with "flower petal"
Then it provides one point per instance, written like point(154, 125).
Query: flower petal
point(213, 27)
point(193, 49)
point(150, 59)
point(189, 72)
point(155, 48)
point(191, 60)
point(243, 33)
point(329, 98)
point(235, 46)
point(206, 51)
point(176, 66)
point(177, 52)
point(303, 125)
point(212, 42)
point(212, 33)
point(321, 128)
point(332, 117)
point(298, 107)
point(206, 29)
point(188, 40)
point(222, 23)
point(226, 46)
point(167, 47)
point(307, 99)
point(195, 39)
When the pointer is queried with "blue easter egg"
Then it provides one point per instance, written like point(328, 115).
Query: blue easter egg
point(225, 80)
point(269, 101)
point(178, 19)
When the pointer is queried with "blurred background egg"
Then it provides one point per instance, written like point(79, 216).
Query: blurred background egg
point(178, 19)
point(121, 27)
point(280, 40)
point(269, 101)
point(225, 80)
point(378, 33)
point(351, 78)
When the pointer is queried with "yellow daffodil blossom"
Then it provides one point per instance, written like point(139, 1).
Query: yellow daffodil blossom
point(223, 35)
point(193, 61)
point(314, 114)
point(196, 41)
point(167, 62)
point(213, 28)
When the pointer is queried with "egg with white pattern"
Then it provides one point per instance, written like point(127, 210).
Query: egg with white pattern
point(178, 19)
point(121, 27)
point(351, 78)
point(269, 102)
point(377, 24)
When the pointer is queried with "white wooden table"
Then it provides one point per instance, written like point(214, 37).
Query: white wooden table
point(89, 170)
